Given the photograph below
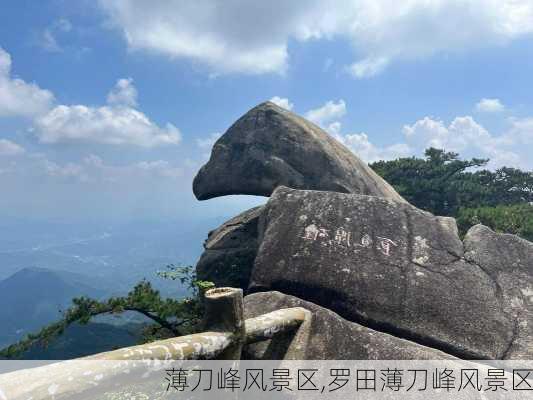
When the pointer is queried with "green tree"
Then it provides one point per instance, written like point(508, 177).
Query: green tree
point(432, 183)
point(505, 186)
point(516, 219)
point(442, 184)
point(170, 317)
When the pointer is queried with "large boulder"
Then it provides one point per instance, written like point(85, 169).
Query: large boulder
point(508, 261)
point(325, 335)
point(384, 264)
point(230, 251)
point(270, 146)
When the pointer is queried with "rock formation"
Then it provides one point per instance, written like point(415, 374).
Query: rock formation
point(270, 146)
point(327, 336)
point(230, 251)
point(267, 147)
point(508, 261)
point(385, 264)
point(379, 276)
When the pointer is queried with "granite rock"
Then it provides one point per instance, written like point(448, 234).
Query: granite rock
point(270, 146)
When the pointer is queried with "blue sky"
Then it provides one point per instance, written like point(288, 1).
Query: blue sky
point(108, 108)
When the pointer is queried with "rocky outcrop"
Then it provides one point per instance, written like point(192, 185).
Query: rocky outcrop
point(327, 336)
point(230, 251)
point(270, 146)
point(384, 264)
point(508, 261)
point(381, 278)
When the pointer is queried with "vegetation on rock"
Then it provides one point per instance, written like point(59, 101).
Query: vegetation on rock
point(516, 219)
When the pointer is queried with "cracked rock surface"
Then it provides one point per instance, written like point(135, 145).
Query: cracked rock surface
point(230, 251)
point(508, 260)
point(270, 146)
point(388, 266)
point(324, 335)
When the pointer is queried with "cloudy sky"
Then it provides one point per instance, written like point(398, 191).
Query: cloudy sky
point(108, 108)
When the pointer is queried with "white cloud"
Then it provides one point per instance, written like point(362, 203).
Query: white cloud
point(48, 39)
point(207, 32)
point(208, 142)
point(8, 148)
point(463, 135)
point(368, 67)
point(124, 93)
point(48, 42)
point(92, 169)
point(106, 125)
point(521, 131)
point(334, 128)
point(467, 137)
point(17, 97)
point(161, 168)
point(116, 123)
point(282, 102)
point(96, 187)
point(379, 30)
point(328, 112)
point(66, 171)
point(96, 169)
point(490, 105)
point(360, 145)
point(63, 25)
point(460, 134)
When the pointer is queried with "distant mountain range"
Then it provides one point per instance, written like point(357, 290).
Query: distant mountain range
point(115, 256)
point(83, 340)
point(34, 297)
point(91, 260)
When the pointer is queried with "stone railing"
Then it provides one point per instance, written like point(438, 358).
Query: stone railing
point(227, 332)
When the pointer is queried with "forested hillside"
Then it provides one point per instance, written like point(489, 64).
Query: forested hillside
point(444, 184)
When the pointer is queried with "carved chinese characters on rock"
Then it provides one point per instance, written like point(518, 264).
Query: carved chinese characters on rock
point(342, 238)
